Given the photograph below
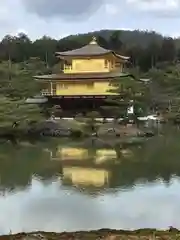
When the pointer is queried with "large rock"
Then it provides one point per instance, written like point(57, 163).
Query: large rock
point(110, 129)
point(55, 128)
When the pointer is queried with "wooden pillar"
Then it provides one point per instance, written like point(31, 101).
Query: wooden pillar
point(93, 104)
point(51, 88)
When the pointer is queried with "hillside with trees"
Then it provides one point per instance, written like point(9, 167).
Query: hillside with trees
point(146, 49)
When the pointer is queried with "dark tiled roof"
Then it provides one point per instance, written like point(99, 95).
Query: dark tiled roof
point(81, 76)
point(92, 49)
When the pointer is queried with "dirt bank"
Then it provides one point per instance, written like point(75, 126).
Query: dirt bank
point(107, 234)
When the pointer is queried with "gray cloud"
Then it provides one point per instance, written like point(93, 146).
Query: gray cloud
point(67, 9)
point(81, 9)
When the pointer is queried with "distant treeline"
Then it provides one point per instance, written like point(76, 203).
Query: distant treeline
point(146, 49)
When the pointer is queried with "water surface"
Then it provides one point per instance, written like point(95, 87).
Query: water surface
point(58, 185)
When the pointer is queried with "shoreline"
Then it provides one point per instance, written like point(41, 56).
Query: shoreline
point(108, 234)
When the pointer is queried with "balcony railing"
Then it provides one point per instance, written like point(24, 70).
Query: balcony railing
point(67, 67)
point(45, 93)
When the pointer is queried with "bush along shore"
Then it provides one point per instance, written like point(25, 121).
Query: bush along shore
point(107, 234)
point(71, 129)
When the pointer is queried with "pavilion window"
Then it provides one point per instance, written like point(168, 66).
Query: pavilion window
point(54, 89)
point(90, 85)
point(68, 65)
point(112, 64)
point(63, 86)
point(106, 63)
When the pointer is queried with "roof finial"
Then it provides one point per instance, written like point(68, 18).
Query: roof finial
point(93, 41)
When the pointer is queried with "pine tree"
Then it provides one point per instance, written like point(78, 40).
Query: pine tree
point(15, 112)
point(14, 92)
point(127, 91)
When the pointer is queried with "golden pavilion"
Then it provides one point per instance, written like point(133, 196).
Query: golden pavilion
point(84, 78)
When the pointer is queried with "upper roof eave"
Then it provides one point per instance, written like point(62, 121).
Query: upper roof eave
point(121, 56)
point(61, 54)
point(71, 54)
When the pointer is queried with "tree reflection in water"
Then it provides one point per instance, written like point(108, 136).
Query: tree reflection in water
point(18, 164)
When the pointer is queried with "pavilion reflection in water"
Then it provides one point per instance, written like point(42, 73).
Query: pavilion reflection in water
point(83, 167)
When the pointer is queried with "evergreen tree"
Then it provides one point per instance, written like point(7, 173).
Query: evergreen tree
point(128, 91)
point(115, 42)
point(168, 50)
point(14, 92)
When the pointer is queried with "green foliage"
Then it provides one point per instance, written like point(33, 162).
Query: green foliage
point(17, 78)
point(165, 85)
point(17, 111)
point(115, 42)
point(129, 91)
point(89, 123)
point(16, 85)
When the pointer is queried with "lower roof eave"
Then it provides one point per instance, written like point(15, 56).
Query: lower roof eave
point(79, 77)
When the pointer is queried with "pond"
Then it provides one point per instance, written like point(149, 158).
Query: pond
point(61, 185)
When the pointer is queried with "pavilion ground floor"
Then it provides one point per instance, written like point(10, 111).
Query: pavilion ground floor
point(72, 105)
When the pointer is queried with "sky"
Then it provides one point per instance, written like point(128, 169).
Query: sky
point(59, 18)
